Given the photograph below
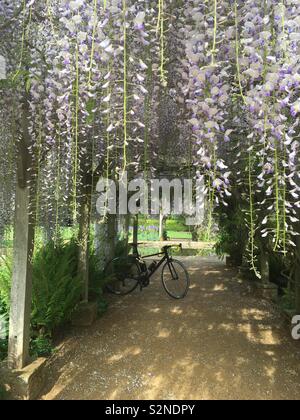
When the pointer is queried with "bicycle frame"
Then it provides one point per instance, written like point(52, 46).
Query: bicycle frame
point(166, 257)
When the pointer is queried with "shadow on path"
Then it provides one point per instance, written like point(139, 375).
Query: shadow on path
point(218, 343)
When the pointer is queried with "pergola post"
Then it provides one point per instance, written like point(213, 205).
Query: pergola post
point(162, 219)
point(297, 271)
point(84, 242)
point(135, 229)
point(84, 234)
point(297, 275)
point(21, 291)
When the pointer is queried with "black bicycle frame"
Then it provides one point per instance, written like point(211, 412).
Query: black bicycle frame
point(161, 262)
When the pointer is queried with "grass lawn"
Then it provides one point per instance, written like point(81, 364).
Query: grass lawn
point(178, 253)
point(149, 229)
point(179, 235)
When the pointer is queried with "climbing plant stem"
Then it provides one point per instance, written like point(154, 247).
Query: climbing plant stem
point(251, 215)
point(76, 135)
point(38, 169)
point(212, 193)
point(237, 51)
point(23, 39)
point(277, 199)
point(213, 51)
point(125, 86)
point(57, 189)
point(284, 192)
point(93, 41)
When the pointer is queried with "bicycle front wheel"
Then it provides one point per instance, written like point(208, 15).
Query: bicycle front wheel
point(122, 275)
point(175, 279)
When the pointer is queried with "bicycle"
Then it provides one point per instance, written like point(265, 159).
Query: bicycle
point(124, 274)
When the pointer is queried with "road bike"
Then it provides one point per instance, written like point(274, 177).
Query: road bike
point(124, 274)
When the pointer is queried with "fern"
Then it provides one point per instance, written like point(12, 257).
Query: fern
point(56, 289)
point(56, 285)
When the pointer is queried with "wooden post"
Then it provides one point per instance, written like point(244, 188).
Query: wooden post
point(297, 276)
point(21, 290)
point(84, 243)
point(162, 220)
point(84, 225)
point(135, 229)
point(297, 271)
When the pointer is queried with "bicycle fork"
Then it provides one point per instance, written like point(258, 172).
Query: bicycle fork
point(172, 270)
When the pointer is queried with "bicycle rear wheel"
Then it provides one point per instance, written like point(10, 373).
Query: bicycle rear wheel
point(122, 275)
point(175, 279)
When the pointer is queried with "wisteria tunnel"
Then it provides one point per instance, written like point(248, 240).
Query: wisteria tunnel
point(168, 128)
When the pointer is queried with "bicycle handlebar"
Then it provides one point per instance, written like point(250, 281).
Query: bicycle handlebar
point(173, 246)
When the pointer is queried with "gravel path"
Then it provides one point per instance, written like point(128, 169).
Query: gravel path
point(218, 343)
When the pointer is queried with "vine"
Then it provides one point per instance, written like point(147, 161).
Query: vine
point(252, 233)
point(95, 24)
point(160, 31)
point(237, 51)
point(215, 31)
point(76, 133)
point(125, 87)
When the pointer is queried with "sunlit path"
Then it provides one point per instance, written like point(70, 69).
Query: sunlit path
point(219, 342)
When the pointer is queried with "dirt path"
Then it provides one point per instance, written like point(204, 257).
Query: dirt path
point(219, 342)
